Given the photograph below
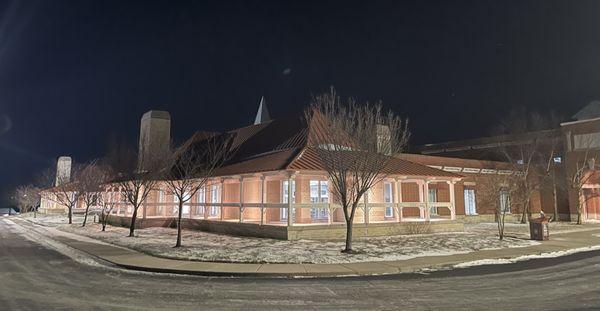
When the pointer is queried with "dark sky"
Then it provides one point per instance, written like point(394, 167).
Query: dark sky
point(73, 73)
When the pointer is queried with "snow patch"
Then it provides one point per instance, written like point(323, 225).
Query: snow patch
point(500, 261)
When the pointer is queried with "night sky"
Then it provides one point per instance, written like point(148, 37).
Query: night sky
point(74, 73)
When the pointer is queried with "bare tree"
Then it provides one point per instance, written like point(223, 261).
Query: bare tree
point(136, 175)
point(532, 157)
point(27, 198)
point(108, 201)
point(91, 183)
point(354, 142)
point(501, 192)
point(191, 165)
point(66, 192)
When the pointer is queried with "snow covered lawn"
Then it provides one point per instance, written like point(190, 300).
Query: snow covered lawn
point(205, 246)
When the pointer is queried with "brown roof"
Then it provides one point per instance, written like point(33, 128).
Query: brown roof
point(309, 159)
point(454, 162)
point(273, 161)
point(282, 144)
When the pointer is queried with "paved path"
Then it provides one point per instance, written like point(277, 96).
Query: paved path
point(135, 260)
point(33, 277)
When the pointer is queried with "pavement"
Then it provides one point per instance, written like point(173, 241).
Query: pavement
point(36, 277)
point(130, 259)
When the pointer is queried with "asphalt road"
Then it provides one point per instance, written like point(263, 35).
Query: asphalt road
point(33, 277)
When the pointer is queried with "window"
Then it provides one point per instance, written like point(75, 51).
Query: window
point(201, 200)
point(586, 141)
point(285, 196)
point(470, 208)
point(433, 210)
point(504, 201)
point(557, 159)
point(319, 193)
point(161, 199)
point(388, 198)
point(214, 198)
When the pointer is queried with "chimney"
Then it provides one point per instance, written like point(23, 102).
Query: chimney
point(384, 139)
point(155, 135)
point(63, 171)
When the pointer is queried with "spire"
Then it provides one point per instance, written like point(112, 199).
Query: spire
point(262, 115)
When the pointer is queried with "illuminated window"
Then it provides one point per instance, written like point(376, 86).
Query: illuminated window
point(319, 193)
point(388, 198)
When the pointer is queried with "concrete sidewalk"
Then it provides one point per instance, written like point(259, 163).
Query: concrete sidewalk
point(135, 260)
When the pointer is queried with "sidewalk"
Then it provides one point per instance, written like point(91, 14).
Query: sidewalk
point(134, 260)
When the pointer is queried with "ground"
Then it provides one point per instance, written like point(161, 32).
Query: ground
point(205, 246)
point(35, 277)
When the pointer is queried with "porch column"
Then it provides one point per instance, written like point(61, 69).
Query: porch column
point(398, 200)
point(290, 200)
point(207, 189)
point(329, 204)
point(426, 195)
point(144, 210)
point(262, 199)
point(222, 197)
point(366, 209)
point(452, 200)
point(421, 200)
point(241, 199)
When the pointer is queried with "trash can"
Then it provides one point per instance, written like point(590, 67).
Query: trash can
point(538, 228)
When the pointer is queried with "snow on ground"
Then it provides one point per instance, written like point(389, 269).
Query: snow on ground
point(204, 246)
point(522, 230)
point(523, 258)
point(53, 220)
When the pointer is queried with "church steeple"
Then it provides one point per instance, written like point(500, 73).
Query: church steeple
point(262, 115)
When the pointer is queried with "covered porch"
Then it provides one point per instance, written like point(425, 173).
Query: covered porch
point(263, 199)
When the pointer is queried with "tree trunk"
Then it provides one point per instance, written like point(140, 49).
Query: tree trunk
point(133, 219)
point(87, 208)
point(70, 214)
point(179, 213)
point(525, 211)
point(348, 248)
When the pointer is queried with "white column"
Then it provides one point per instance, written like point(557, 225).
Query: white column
point(426, 195)
point(222, 198)
point(398, 200)
point(241, 199)
point(207, 189)
point(262, 199)
point(366, 209)
point(290, 200)
point(329, 205)
point(452, 200)
point(421, 199)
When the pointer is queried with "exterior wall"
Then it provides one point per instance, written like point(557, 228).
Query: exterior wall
point(574, 157)
point(540, 200)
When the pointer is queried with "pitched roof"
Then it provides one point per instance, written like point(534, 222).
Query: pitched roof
point(309, 159)
point(281, 144)
point(590, 111)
